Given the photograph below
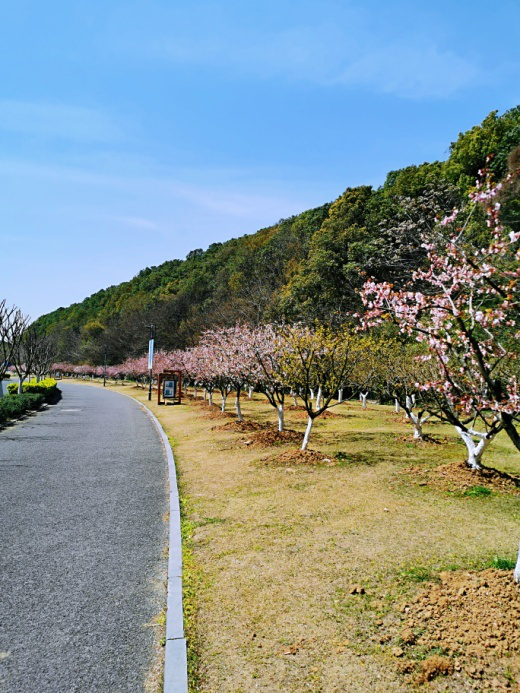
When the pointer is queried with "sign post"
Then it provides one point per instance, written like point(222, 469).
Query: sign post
point(150, 359)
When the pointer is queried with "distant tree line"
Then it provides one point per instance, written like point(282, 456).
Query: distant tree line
point(308, 268)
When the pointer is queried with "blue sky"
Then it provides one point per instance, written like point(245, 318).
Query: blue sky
point(134, 132)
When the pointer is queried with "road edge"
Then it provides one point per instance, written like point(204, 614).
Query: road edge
point(175, 655)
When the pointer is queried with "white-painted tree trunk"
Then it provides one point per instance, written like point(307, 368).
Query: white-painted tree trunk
point(312, 394)
point(408, 406)
point(475, 451)
point(205, 394)
point(280, 418)
point(517, 567)
point(417, 426)
point(318, 399)
point(224, 403)
point(295, 400)
point(210, 399)
point(340, 395)
point(363, 396)
point(413, 400)
point(250, 393)
point(194, 390)
point(397, 407)
point(237, 407)
point(307, 433)
point(185, 388)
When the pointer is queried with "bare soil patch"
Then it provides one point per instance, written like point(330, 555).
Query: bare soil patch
point(271, 436)
point(472, 619)
point(458, 477)
point(303, 457)
point(240, 426)
point(214, 412)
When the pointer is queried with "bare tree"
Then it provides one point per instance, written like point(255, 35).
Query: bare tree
point(13, 324)
point(34, 354)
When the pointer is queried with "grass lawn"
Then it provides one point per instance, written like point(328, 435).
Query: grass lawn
point(328, 577)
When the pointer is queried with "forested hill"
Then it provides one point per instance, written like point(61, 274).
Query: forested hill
point(308, 266)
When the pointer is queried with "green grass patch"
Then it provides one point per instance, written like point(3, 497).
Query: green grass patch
point(503, 563)
point(477, 492)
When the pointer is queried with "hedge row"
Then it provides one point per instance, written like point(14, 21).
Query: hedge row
point(16, 405)
point(46, 387)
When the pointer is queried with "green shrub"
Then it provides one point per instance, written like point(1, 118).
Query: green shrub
point(16, 405)
point(46, 387)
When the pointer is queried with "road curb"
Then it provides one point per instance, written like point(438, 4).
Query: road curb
point(175, 655)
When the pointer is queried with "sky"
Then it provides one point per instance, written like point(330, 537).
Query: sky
point(133, 132)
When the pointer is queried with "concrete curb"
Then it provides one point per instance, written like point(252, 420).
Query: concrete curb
point(175, 655)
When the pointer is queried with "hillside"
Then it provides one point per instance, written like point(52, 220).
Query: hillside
point(307, 266)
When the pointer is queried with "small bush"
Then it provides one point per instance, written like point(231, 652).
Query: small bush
point(46, 387)
point(15, 406)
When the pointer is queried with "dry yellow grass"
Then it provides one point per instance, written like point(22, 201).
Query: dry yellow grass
point(278, 549)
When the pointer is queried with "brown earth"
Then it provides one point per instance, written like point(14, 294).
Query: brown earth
point(271, 436)
point(458, 477)
point(240, 426)
point(302, 457)
point(472, 619)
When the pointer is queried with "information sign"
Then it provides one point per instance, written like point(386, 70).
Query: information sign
point(170, 389)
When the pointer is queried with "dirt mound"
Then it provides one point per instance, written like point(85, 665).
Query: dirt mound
point(215, 412)
point(302, 457)
point(239, 426)
point(472, 617)
point(272, 436)
point(457, 476)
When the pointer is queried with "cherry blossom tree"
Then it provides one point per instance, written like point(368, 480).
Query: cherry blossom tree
point(466, 313)
point(233, 361)
point(323, 358)
point(268, 346)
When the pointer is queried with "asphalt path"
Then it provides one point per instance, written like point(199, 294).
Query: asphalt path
point(83, 492)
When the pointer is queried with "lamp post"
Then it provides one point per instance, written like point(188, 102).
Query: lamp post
point(150, 359)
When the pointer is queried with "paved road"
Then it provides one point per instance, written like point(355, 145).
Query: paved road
point(83, 491)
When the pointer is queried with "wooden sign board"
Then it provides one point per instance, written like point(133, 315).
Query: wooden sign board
point(169, 390)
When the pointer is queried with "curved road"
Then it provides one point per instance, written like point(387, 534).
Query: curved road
point(83, 492)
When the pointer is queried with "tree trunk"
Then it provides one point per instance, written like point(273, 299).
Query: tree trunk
point(307, 433)
point(340, 395)
point(280, 418)
point(295, 400)
point(475, 452)
point(397, 406)
point(20, 385)
point(318, 399)
point(224, 397)
point(210, 399)
point(417, 426)
point(194, 390)
point(517, 568)
point(312, 394)
point(237, 406)
point(205, 394)
point(364, 399)
point(250, 393)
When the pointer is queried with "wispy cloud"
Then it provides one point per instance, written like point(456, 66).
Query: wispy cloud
point(58, 121)
point(352, 52)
